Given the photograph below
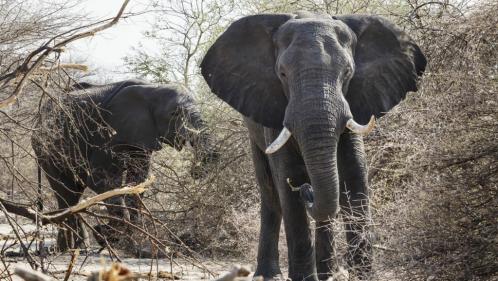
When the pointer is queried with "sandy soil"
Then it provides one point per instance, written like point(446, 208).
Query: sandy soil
point(57, 267)
point(86, 263)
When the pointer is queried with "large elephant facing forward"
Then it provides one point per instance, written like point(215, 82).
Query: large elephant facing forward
point(300, 79)
point(101, 135)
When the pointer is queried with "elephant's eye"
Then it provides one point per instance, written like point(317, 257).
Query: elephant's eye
point(282, 74)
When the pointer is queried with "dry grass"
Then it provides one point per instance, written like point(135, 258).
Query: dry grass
point(434, 159)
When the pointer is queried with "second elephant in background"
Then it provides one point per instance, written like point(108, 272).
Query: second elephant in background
point(101, 135)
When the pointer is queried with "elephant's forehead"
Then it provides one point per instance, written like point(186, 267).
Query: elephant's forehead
point(311, 28)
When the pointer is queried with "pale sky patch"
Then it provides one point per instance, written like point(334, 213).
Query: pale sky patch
point(106, 50)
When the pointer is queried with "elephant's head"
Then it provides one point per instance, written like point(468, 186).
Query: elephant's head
point(146, 116)
point(311, 76)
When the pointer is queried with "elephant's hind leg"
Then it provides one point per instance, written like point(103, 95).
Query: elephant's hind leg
point(271, 217)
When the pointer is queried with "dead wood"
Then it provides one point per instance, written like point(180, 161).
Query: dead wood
point(60, 215)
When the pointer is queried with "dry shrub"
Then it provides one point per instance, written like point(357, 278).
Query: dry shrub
point(434, 159)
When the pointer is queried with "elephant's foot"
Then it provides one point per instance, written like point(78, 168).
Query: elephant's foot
point(268, 271)
point(278, 277)
point(303, 275)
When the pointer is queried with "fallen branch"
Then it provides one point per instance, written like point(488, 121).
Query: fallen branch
point(60, 215)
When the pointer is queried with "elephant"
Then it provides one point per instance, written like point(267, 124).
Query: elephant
point(103, 136)
point(304, 83)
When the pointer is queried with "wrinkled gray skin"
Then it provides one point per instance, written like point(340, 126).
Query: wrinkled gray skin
point(311, 73)
point(143, 117)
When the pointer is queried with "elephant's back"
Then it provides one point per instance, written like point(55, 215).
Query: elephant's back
point(68, 126)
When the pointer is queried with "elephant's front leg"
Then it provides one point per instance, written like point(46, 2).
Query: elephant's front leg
point(355, 202)
point(326, 262)
point(137, 169)
point(298, 232)
point(290, 167)
point(271, 218)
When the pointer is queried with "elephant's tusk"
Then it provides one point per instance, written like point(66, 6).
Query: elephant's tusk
point(293, 188)
point(279, 141)
point(361, 129)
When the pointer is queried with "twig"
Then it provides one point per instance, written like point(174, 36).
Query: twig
point(70, 267)
point(31, 260)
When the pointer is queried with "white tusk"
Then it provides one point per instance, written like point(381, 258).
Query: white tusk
point(361, 129)
point(279, 141)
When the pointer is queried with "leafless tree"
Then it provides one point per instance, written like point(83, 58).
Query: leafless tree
point(181, 29)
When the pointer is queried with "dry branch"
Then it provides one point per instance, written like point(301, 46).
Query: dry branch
point(74, 66)
point(25, 69)
point(60, 215)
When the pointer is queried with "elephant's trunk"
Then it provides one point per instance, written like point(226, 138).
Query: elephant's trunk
point(317, 141)
point(316, 123)
point(204, 144)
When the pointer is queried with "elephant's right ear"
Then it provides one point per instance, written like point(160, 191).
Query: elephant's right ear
point(240, 69)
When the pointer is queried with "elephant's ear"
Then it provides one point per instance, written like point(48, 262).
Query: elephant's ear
point(240, 69)
point(129, 114)
point(388, 64)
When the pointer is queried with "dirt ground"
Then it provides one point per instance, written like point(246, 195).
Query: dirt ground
point(86, 263)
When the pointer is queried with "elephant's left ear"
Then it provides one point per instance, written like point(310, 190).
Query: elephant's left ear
point(388, 64)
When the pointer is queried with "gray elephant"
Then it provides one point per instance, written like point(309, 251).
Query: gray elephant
point(299, 80)
point(103, 133)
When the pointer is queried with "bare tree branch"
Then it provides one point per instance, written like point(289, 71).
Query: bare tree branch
point(60, 215)
point(44, 51)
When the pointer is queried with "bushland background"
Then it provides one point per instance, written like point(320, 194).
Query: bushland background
point(433, 159)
